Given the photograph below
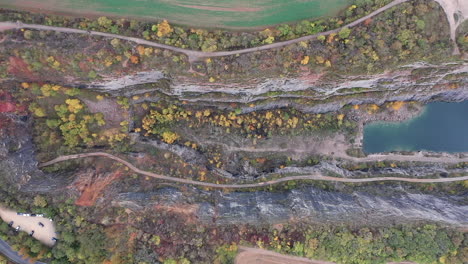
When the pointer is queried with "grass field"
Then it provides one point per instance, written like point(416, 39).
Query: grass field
point(200, 13)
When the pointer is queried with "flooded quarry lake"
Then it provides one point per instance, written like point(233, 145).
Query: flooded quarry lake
point(442, 127)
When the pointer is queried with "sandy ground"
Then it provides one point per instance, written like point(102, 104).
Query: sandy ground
point(260, 256)
point(452, 9)
point(29, 223)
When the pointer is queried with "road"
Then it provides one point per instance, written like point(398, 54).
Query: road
point(450, 7)
point(194, 55)
point(12, 255)
point(316, 177)
point(339, 151)
point(248, 255)
point(456, 12)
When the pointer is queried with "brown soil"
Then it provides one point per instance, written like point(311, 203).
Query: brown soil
point(8, 104)
point(260, 256)
point(5, 122)
point(225, 9)
point(92, 184)
point(310, 77)
point(186, 211)
point(19, 68)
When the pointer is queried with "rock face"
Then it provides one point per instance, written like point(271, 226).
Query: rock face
point(17, 162)
point(416, 82)
point(372, 204)
point(381, 206)
point(18, 165)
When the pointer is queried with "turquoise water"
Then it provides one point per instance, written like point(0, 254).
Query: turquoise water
point(441, 127)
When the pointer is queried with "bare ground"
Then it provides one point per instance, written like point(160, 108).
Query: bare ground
point(260, 256)
point(92, 184)
point(249, 255)
point(30, 223)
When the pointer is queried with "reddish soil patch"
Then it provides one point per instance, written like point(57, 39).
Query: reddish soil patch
point(6, 107)
point(4, 37)
point(8, 104)
point(188, 211)
point(7, 27)
point(20, 68)
point(5, 122)
point(91, 186)
point(225, 9)
point(261, 256)
point(309, 77)
point(84, 67)
point(367, 21)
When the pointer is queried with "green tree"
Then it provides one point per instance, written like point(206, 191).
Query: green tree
point(40, 201)
point(344, 33)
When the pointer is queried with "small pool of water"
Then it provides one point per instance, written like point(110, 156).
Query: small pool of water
point(442, 127)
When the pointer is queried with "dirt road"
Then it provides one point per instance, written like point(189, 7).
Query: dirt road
point(194, 55)
point(250, 255)
point(456, 12)
point(30, 223)
point(260, 256)
point(316, 177)
point(450, 7)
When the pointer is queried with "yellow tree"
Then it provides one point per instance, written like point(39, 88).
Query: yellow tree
point(164, 28)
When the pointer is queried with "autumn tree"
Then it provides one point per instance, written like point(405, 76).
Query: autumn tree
point(164, 28)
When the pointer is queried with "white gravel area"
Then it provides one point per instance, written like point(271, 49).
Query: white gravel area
point(30, 223)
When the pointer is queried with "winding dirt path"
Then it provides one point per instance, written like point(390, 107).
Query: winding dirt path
point(450, 7)
point(336, 148)
point(315, 177)
point(194, 55)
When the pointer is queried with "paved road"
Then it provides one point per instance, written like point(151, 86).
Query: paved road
point(315, 177)
point(12, 255)
point(194, 55)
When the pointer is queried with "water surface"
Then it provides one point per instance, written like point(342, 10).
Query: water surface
point(441, 127)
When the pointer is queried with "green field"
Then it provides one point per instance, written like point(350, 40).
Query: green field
point(199, 13)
